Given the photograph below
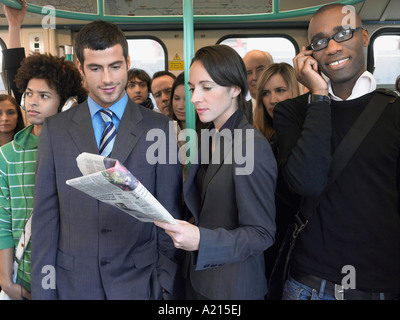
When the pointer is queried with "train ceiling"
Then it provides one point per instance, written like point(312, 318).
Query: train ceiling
point(372, 10)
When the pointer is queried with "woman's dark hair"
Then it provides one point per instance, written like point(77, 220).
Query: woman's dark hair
point(225, 67)
point(20, 122)
point(100, 35)
point(180, 80)
point(60, 74)
point(398, 84)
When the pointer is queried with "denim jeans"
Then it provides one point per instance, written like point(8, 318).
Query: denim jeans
point(294, 290)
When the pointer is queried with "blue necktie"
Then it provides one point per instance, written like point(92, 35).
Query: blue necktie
point(109, 133)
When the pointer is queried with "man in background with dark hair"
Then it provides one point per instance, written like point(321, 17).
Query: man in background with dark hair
point(98, 251)
point(138, 87)
point(161, 87)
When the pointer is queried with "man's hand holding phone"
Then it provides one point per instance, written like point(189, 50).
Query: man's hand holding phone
point(307, 72)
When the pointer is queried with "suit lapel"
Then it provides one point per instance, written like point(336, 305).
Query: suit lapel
point(220, 156)
point(225, 156)
point(129, 131)
point(81, 129)
point(194, 197)
point(191, 191)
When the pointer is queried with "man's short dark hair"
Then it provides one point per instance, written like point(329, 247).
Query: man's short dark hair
point(162, 73)
point(141, 75)
point(100, 35)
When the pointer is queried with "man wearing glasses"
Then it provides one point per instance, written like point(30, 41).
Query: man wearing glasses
point(350, 248)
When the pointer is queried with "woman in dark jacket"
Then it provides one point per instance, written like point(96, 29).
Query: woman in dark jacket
point(230, 192)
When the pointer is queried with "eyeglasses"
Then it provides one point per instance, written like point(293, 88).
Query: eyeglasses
point(341, 36)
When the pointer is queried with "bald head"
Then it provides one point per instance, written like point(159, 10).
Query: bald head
point(256, 61)
point(342, 62)
point(258, 54)
point(347, 16)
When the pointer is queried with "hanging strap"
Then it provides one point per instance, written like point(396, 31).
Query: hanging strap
point(22, 244)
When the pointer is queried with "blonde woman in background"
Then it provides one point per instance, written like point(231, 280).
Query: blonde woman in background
point(277, 83)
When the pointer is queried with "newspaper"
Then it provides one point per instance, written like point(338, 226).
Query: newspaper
point(107, 180)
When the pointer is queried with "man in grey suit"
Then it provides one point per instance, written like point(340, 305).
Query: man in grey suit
point(82, 248)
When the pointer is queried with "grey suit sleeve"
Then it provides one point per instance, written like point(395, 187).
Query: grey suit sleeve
point(256, 207)
point(45, 222)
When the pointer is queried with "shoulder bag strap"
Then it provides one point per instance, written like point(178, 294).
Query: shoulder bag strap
point(348, 146)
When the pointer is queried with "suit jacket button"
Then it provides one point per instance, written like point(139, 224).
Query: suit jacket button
point(104, 262)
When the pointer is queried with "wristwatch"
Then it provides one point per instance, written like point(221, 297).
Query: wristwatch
point(318, 98)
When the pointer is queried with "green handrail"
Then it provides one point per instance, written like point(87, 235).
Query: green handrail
point(188, 41)
point(276, 14)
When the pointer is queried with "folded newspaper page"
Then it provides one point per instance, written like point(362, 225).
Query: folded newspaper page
point(107, 180)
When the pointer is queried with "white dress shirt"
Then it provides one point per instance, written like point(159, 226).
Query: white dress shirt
point(366, 83)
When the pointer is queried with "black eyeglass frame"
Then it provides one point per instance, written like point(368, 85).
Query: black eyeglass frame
point(309, 47)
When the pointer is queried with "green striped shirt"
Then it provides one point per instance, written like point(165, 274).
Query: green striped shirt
point(17, 178)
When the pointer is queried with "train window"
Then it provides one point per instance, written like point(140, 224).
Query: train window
point(282, 48)
point(384, 53)
point(148, 54)
point(3, 88)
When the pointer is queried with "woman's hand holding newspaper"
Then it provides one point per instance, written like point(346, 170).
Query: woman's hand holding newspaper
point(185, 235)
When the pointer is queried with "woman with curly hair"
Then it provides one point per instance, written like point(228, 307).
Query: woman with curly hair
point(47, 82)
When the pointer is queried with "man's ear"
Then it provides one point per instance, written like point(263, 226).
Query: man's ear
point(128, 62)
point(365, 36)
point(80, 67)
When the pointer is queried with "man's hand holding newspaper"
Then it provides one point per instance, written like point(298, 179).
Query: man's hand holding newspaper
point(107, 180)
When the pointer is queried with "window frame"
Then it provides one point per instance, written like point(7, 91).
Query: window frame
point(370, 51)
point(262, 35)
point(158, 40)
point(3, 46)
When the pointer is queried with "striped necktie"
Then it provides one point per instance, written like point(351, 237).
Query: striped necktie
point(109, 133)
